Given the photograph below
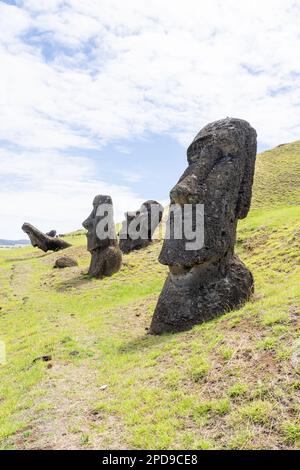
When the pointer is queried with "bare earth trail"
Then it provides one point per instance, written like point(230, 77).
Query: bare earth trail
point(61, 416)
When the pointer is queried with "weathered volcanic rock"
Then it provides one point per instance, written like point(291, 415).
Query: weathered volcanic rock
point(206, 282)
point(43, 241)
point(138, 228)
point(102, 240)
point(52, 233)
point(65, 262)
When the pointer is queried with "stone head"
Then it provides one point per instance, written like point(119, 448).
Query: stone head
point(36, 237)
point(102, 207)
point(220, 176)
point(146, 218)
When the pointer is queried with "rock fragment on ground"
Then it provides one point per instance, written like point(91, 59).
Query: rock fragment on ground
point(65, 262)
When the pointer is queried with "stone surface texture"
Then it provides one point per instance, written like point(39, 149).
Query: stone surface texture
point(52, 233)
point(146, 219)
point(65, 262)
point(106, 255)
point(207, 282)
point(41, 240)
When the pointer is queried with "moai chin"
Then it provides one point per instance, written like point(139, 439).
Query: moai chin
point(138, 228)
point(206, 282)
point(101, 239)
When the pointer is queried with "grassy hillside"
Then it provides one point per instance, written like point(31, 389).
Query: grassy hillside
point(277, 177)
point(230, 383)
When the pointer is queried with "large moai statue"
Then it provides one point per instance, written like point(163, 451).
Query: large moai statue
point(138, 228)
point(206, 282)
point(101, 239)
point(42, 240)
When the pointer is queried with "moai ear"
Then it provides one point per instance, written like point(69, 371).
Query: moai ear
point(245, 192)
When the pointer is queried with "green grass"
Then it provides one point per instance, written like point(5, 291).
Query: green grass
point(277, 177)
point(257, 412)
point(237, 390)
point(291, 432)
point(225, 384)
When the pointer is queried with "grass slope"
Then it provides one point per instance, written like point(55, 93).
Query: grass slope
point(277, 177)
point(230, 383)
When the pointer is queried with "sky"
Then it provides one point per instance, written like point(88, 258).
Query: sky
point(104, 96)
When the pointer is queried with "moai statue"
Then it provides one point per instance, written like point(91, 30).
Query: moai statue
point(101, 239)
point(138, 228)
point(43, 241)
point(52, 233)
point(209, 280)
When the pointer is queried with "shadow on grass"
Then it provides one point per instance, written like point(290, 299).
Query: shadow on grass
point(79, 281)
point(146, 341)
point(29, 257)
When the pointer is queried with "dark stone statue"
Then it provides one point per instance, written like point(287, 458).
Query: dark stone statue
point(43, 241)
point(138, 228)
point(52, 233)
point(101, 239)
point(206, 282)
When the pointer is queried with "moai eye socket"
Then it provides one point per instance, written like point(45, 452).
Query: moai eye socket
point(195, 150)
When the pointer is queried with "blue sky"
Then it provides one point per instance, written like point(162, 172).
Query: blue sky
point(104, 97)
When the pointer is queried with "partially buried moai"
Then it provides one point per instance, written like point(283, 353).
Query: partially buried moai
point(138, 228)
point(206, 282)
point(106, 256)
point(44, 241)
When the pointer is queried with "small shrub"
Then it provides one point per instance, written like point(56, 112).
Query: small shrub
point(237, 390)
point(199, 368)
point(217, 407)
point(267, 343)
point(258, 412)
point(291, 432)
point(226, 353)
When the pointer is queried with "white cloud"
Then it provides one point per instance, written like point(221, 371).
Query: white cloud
point(122, 68)
point(80, 74)
point(53, 191)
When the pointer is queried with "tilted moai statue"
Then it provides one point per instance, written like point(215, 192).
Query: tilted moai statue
point(42, 240)
point(101, 239)
point(206, 282)
point(52, 233)
point(138, 228)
